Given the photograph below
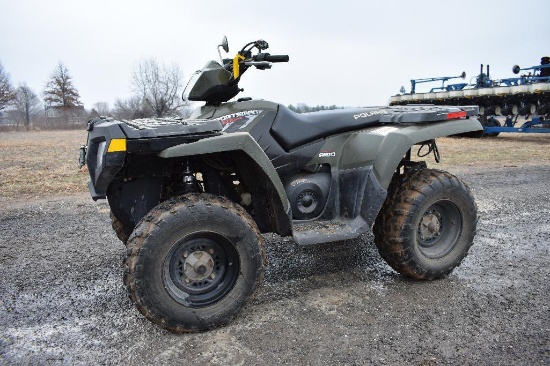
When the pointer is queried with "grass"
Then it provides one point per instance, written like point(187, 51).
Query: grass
point(45, 163)
point(506, 150)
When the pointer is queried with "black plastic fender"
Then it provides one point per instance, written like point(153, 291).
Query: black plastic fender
point(243, 142)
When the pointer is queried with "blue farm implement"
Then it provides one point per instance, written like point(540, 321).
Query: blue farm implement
point(516, 104)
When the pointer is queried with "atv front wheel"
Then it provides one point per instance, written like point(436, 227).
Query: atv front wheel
point(122, 232)
point(194, 262)
point(427, 225)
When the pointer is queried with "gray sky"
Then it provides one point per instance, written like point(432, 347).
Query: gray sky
point(349, 53)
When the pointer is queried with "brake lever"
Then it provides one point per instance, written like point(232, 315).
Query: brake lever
point(262, 65)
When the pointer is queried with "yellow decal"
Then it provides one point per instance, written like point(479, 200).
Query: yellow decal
point(117, 145)
point(236, 71)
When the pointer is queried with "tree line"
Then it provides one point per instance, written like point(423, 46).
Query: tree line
point(304, 108)
point(156, 93)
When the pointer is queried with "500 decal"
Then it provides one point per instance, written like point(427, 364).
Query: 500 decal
point(327, 153)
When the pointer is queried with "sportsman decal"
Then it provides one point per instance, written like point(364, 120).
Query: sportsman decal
point(236, 121)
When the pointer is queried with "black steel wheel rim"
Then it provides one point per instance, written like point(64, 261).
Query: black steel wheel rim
point(200, 269)
point(439, 229)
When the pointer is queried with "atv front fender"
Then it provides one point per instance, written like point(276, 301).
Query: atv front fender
point(242, 142)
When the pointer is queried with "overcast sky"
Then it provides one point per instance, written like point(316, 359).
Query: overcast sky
point(348, 53)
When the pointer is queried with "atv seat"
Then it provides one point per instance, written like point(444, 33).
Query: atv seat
point(292, 129)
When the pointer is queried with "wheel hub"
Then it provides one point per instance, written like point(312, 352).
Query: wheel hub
point(198, 266)
point(439, 228)
point(200, 269)
point(430, 225)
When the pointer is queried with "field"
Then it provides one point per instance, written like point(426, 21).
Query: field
point(62, 299)
point(38, 164)
point(45, 163)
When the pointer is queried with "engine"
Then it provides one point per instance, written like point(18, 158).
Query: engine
point(307, 193)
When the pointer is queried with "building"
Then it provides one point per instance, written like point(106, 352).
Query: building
point(59, 116)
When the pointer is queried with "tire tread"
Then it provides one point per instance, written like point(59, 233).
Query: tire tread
point(143, 232)
point(395, 218)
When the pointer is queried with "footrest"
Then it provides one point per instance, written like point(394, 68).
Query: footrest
point(316, 232)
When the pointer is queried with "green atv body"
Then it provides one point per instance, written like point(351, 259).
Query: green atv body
point(191, 197)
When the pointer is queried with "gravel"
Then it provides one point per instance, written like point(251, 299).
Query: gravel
point(63, 300)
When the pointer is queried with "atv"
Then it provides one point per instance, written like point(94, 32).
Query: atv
point(190, 198)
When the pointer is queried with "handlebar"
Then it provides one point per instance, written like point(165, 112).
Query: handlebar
point(245, 59)
point(271, 58)
point(277, 58)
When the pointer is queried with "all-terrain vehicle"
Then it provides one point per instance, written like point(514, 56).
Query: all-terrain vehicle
point(191, 197)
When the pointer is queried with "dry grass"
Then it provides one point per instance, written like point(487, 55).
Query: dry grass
point(40, 164)
point(506, 150)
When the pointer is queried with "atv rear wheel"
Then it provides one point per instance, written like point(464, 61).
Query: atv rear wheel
point(427, 225)
point(194, 262)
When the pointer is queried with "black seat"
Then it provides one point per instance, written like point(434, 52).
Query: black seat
point(293, 129)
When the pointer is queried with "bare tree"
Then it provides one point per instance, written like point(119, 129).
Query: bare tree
point(7, 93)
point(131, 108)
point(60, 91)
point(304, 108)
point(102, 108)
point(159, 87)
point(26, 104)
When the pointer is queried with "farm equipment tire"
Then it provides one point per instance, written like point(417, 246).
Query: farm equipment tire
point(194, 262)
point(492, 122)
point(427, 224)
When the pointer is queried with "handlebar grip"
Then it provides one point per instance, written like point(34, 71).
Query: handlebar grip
point(276, 58)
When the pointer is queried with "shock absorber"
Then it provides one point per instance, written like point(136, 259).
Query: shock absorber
point(189, 180)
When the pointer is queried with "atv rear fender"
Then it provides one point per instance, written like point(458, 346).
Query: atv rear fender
point(399, 139)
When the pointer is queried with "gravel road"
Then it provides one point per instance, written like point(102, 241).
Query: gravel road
point(63, 300)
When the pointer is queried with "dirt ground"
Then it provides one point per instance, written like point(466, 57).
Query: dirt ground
point(63, 300)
